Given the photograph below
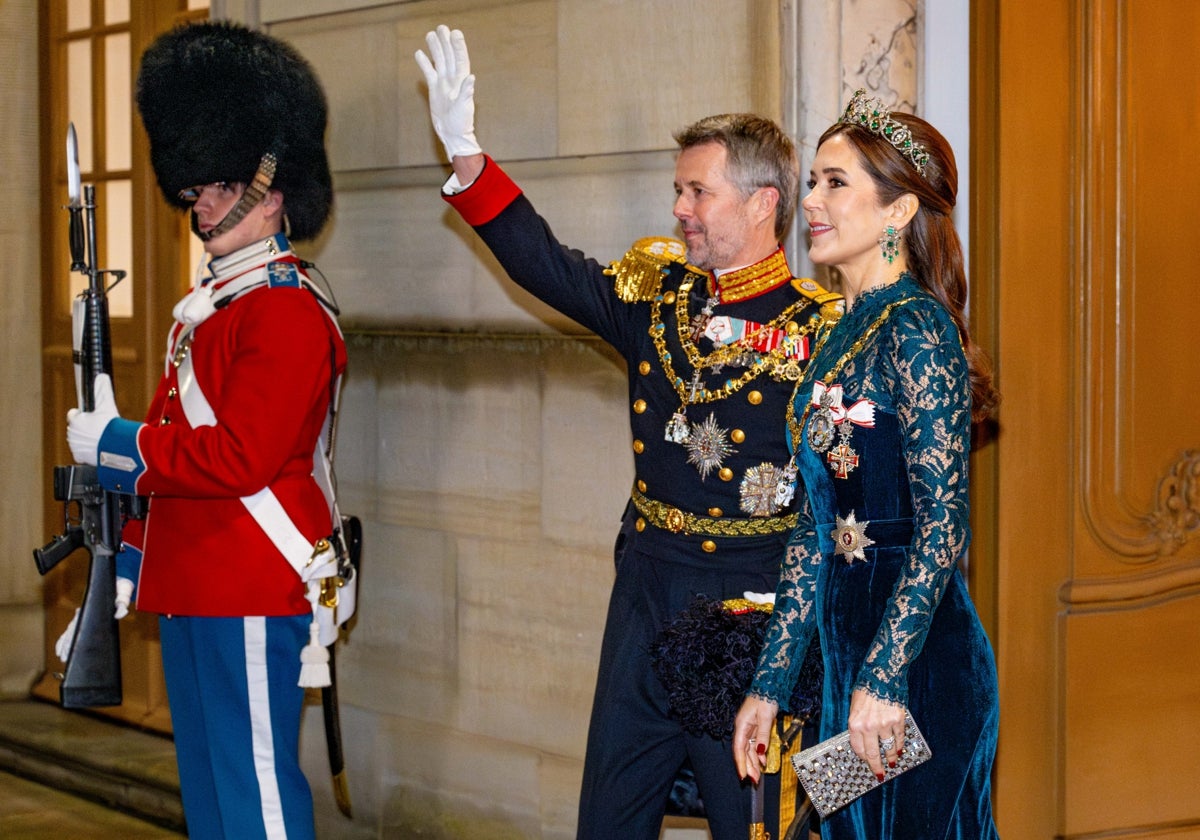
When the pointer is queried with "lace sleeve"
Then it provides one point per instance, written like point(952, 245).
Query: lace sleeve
point(793, 621)
point(929, 382)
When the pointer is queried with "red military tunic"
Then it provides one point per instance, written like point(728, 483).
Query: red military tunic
point(267, 363)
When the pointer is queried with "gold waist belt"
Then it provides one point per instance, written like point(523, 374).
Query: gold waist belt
point(677, 521)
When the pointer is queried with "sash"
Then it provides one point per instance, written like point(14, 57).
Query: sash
point(312, 562)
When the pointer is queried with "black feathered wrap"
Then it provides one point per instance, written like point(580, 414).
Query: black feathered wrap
point(216, 96)
point(706, 658)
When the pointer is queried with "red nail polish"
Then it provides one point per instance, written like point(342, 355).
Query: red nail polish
point(892, 764)
point(761, 749)
point(879, 776)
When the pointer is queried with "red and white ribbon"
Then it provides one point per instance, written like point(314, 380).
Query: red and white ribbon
point(860, 413)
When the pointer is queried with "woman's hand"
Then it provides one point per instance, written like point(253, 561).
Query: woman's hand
point(752, 736)
point(876, 728)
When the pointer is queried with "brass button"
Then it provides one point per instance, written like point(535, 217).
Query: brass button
point(640, 524)
point(669, 298)
point(716, 513)
point(173, 393)
point(792, 328)
point(754, 397)
point(644, 368)
point(726, 474)
point(737, 436)
point(641, 486)
point(166, 421)
point(709, 546)
point(639, 406)
point(675, 521)
point(638, 447)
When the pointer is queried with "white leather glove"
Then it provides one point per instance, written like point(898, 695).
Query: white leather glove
point(85, 427)
point(124, 597)
point(451, 91)
point(62, 648)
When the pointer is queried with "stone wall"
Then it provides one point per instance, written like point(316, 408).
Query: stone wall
point(21, 473)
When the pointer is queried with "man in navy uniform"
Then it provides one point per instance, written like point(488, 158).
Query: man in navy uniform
point(715, 331)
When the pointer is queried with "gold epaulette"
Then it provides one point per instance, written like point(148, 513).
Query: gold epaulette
point(832, 304)
point(639, 273)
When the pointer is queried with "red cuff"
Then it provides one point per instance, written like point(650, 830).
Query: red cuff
point(484, 200)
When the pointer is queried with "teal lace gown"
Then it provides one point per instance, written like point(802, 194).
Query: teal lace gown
point(871, 571)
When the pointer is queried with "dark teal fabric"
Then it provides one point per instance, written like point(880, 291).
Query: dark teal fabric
point(899, 623)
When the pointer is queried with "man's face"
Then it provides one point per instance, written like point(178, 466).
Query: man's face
point(213, 203)
point(713, 215)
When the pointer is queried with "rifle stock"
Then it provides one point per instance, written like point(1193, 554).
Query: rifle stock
point(93, 516)
point(93, 673)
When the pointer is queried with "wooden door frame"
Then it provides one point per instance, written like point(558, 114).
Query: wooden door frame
point(159, 256)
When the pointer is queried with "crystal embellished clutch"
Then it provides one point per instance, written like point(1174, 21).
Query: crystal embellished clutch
point(833, 776)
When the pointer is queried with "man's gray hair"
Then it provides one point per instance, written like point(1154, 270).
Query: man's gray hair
point(758, 154)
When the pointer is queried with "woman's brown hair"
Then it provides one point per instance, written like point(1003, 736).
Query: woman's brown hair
point(934, 250)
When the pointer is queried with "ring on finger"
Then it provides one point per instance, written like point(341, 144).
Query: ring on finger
point(886, 744)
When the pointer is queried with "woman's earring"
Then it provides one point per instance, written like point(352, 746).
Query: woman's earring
point(889, 244)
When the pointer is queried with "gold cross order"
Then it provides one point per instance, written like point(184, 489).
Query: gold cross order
point(844, 458)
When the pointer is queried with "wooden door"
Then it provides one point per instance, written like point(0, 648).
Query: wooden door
point(89, 64)
point(1084, 135)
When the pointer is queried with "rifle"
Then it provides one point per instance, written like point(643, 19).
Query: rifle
point(92, 516)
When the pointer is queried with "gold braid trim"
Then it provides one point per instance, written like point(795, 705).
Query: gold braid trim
point(677, 521)
point(754, 280)
point(744, 605)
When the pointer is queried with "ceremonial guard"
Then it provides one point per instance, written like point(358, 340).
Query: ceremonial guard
point(236, 552)
point(715, 332)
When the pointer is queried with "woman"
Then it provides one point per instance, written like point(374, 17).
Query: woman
point(880, 429)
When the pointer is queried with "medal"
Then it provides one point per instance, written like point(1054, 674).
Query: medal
point(677, 428)
point(707, 446)
point(699, 321)
point(823, 422)
point(830, 415)
point(785, 490)
point(759, 490)
point(850, 538)
point(842, 456)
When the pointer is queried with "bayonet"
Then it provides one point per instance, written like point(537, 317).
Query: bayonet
point(75, 201)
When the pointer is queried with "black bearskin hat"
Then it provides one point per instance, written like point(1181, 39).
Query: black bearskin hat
point(216, 96)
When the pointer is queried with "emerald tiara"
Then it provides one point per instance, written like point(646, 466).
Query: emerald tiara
point(873, 115)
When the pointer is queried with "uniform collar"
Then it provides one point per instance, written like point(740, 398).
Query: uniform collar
point(753, 280)
point(253, 255)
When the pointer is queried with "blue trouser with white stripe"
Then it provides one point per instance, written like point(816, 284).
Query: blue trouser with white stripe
point(235, 710)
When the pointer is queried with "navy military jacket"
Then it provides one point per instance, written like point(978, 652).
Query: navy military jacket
point(738, 436)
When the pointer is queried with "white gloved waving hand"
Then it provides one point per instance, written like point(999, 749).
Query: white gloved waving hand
point(447, 71)
point(84, 428)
